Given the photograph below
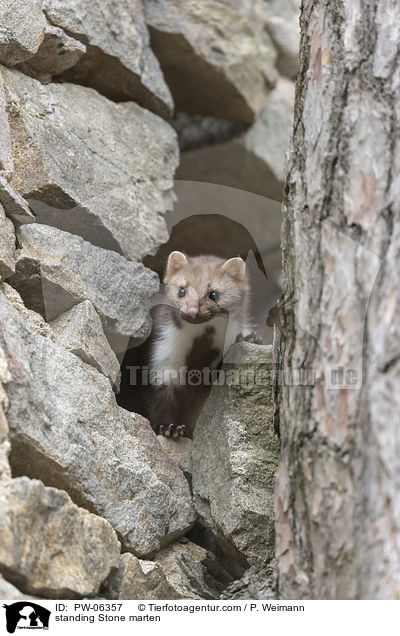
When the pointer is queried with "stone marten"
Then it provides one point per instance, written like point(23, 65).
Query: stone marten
point(204, 310)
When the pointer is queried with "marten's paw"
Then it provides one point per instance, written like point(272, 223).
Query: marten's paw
point(171, 430)
point(251, 337)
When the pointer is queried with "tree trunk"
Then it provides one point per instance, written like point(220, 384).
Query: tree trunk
point(338, 485)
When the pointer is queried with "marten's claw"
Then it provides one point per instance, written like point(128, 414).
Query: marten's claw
point(165, 430)
point(253, 338)
point(171, 430)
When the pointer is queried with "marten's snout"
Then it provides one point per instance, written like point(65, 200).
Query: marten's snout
point(194, 315)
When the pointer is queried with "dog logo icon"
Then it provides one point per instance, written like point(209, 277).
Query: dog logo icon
point(26, 615)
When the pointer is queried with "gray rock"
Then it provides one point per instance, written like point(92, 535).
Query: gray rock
point(76, 438)
point(21, 30)
point(7, 246)
point(51, 547)
point(137, 579)
point(190, 570)
point(14, 204)
point(282, 24)
point(180, 450)
point(5, 470)
point(37, 324)
point(6, 162)
point(80, 331)
point(279, 19)
point(286, 37)
point(180, 571)
point(56, 270)
point(57, 53)
point(212, 60)
point(274, 127)
point(253, 161)
point(258, 583)
point(114, 181)
point(119, 61)
point(5, 377)
point(235, 454)
point(34, 320)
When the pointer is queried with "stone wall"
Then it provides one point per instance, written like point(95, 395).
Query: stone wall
point(102, 106)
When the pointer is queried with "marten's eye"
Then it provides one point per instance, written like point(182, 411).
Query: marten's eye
point(214, 295)
point(181, 292)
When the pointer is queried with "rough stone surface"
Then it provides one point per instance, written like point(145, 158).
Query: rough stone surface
point(253, 161)
point(80, 331)
point(21, 30)
point(14, 204)
point(5, 471)
point(257, 583)
point(5, 377)
point(7, 245)
point(119, 62)
point(211, 57)
point(76, 438)
point(279, 19)
point(282, 23)
point(181, 571)
point(6, 162)
point(94, 169)
point(56, 270)
point(235, 454)
point(113, 184)
point(50, 546)
point(34, 320)
point(137, 579)
point(190, 571)
point(56, 54)
point(180, 450)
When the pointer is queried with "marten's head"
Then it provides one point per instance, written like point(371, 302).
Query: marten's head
point(201, 287)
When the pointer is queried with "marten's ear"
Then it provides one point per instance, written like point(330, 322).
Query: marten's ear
point(236, 268)
point(176, 261)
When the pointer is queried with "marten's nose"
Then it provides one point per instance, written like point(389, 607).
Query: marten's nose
point(192, 312)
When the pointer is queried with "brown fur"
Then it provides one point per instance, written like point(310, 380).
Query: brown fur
point(199, 275)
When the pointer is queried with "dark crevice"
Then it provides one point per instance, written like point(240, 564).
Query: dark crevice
point(230, 559)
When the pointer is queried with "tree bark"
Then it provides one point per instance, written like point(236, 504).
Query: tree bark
point(338, 485)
